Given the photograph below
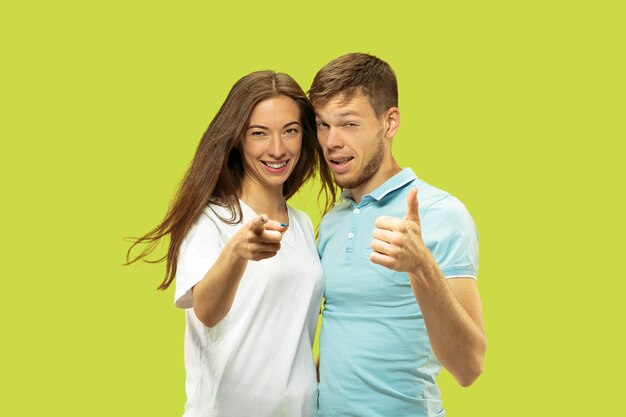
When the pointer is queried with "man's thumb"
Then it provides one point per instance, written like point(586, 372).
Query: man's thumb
point(412, 206)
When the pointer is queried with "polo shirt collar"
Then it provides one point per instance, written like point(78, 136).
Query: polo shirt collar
point(397, 181)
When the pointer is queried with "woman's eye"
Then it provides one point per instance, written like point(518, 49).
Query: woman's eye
point(291, 131)
point(257, 133)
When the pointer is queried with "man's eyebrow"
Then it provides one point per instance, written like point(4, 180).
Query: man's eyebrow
point(349, 113)
point(344, 114)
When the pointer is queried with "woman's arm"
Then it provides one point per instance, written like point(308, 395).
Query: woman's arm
point(213, 296)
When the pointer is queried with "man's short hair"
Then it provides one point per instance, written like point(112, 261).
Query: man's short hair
point(357, 72)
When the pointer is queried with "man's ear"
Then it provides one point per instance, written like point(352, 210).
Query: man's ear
point(392, 120)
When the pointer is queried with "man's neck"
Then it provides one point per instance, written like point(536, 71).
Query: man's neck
point(385, 172)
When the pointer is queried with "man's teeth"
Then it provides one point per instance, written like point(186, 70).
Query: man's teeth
point(275, 166)
point(340, 161)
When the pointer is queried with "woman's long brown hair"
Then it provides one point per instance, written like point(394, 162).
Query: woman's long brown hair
point(216, 171)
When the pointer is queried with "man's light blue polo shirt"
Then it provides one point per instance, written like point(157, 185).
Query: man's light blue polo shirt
point(375, 356)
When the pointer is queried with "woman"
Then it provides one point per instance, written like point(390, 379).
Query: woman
point(246, 266)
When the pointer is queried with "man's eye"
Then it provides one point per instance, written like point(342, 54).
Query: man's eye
point(321, 125)
point(350, 124)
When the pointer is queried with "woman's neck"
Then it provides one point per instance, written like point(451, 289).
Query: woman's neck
point(265, 200)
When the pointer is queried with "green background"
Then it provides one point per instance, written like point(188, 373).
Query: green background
point(516, 107)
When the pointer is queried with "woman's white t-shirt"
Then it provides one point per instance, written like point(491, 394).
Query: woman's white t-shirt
point(257, 361)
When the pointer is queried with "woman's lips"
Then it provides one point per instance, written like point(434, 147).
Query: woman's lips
point(275, 167)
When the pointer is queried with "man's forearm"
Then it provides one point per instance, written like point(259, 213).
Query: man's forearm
point(453, 316)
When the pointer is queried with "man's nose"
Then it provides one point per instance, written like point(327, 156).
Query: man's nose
point(333, 138)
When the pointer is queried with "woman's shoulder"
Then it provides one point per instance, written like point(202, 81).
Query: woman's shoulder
point(218, 216)
point(299, 216)
point(213, 210)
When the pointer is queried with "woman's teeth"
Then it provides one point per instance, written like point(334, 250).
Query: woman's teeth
point(275, 166)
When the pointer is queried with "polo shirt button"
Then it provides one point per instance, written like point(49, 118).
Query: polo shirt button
point(356, 211)
point(350, 235)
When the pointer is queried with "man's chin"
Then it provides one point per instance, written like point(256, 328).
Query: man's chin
point(345, 183)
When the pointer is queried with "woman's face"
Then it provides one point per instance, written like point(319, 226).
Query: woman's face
point(272, 141)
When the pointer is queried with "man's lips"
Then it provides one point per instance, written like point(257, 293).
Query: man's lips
point(340, 164)
point(340, 160)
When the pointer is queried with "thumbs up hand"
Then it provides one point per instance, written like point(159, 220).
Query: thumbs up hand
point(397, 243)
point(412, 206)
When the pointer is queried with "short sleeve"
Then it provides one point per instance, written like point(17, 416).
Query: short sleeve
point(199, 251)
point(449, 232)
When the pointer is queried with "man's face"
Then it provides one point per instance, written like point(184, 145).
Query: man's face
point(353, 140)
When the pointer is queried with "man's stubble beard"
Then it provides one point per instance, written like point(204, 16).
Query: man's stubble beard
point(371, 166)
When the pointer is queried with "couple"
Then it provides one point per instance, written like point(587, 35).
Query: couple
point(248, 269)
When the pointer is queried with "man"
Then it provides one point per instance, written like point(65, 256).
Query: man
point(401, 294)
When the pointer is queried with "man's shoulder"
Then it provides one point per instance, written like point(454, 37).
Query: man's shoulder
point(338, 208)
point(442, 213)
point(432, 198)
point(331, 220)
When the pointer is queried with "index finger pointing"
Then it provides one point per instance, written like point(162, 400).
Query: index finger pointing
point(258, 224)
point(274, 225)
point(270, 236)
